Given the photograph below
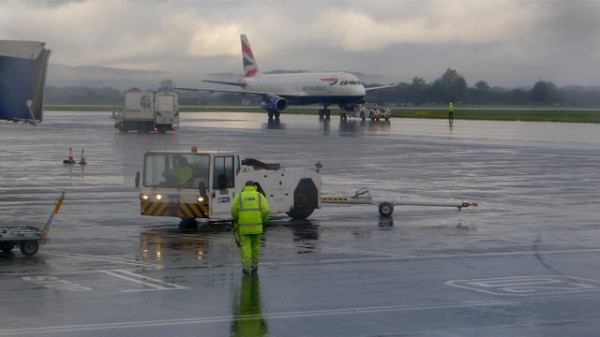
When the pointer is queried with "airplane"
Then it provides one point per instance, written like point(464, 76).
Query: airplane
point(277, 91)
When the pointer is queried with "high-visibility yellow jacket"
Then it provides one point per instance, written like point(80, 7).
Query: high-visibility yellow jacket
point(183, 175)
point(250, 210)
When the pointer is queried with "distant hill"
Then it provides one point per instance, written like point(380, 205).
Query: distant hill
point(101, 77)
point(123, 79)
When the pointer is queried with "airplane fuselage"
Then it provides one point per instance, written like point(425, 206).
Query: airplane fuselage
point(309, 88)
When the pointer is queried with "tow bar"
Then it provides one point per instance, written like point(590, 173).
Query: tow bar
point(29, 237)
point(386, 208)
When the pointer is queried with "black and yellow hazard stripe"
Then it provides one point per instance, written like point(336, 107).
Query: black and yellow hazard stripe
point(181, 210)
point(334, 198)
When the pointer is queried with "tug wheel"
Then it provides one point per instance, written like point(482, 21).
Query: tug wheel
point(303, 204)
point(188, 223)
point(305, 200)
point(386, 209)
point(29, 248)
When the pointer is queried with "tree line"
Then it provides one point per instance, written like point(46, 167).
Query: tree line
point(83, 95)
point(450, 87)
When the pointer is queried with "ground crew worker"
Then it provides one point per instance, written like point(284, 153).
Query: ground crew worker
point(181, 174)
point(450, 112)
point(250, 210)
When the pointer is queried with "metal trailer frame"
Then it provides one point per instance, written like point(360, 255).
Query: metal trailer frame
point(29, 237)
point(386, 208)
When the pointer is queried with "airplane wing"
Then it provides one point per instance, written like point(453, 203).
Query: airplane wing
point(273, 103)
point(289, 97)
point(235, 91)
point(380, 87)
point(239, 84)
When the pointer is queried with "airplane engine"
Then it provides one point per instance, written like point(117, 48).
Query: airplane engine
point(347, 107)
point(274, 105)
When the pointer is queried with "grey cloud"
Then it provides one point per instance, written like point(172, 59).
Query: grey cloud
point(502, 42)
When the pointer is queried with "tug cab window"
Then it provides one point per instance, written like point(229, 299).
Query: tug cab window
point(176, 170)
point(224, 172)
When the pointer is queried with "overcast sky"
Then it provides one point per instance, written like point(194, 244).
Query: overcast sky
point(506, 43)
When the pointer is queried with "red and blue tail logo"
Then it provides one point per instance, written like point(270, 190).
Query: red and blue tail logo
point(250, 67)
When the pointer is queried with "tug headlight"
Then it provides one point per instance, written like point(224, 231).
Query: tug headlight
point(200, 198)
point(147, 197)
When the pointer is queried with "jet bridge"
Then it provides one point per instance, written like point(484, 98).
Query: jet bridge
point(386, 208)
point(23, 67)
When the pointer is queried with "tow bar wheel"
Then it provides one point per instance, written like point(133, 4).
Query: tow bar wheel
point(6, 246)
point(386, 209)
point(29, 247)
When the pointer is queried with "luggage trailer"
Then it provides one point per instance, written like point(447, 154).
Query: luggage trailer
point(386, 208)
point(28, 237)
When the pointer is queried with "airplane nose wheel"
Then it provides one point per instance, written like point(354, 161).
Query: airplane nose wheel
point(324, 113)
point(386, 209)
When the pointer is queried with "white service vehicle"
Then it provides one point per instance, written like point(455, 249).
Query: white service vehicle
point(369, 110)
point(194, 185)
point(146, 111)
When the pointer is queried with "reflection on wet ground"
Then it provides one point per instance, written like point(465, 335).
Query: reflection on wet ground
point(212, 244)
point(248, 320)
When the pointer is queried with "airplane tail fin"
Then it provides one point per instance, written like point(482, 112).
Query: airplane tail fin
point(249, 62)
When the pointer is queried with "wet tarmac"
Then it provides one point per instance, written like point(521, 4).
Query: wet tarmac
point(524, 263)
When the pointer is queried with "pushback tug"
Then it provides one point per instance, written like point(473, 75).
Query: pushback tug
point(202, 185)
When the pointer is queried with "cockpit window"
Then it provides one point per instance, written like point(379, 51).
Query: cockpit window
point(346, 82)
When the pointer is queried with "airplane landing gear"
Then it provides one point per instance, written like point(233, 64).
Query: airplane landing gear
point(324, 113)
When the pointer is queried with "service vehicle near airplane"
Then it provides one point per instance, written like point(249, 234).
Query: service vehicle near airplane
point(148, 111)
point(202, 185)
point(368, 110)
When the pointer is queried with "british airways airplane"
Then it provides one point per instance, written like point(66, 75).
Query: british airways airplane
point(277, 91)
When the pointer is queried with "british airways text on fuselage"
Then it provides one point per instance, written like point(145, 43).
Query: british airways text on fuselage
point(311, 88)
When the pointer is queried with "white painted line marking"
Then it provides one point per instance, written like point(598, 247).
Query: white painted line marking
point(99, 258)
point(227, 318)
point(152, 283)
point(528, 285)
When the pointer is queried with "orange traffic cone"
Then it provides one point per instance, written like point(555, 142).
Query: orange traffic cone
point(82, 160)
point(70, 160)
